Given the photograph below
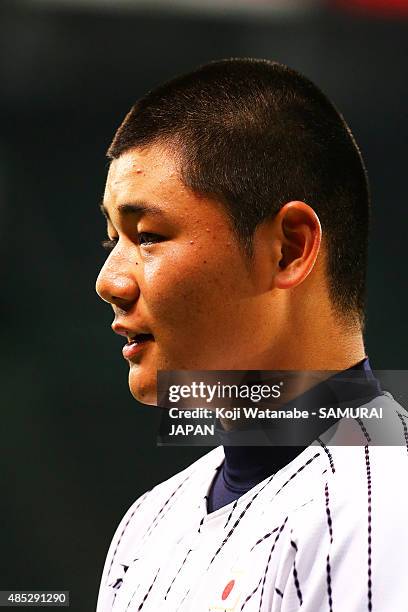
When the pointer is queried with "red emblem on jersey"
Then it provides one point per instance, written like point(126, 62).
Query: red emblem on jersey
point(227, 589)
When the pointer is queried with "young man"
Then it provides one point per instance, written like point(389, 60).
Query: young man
point(237, 208)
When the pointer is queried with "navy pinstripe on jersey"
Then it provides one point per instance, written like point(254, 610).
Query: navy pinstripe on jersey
point(319, 535)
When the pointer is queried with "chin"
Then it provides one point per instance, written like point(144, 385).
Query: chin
point(143, 387)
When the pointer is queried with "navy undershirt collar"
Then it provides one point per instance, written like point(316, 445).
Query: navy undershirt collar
point(246, 466)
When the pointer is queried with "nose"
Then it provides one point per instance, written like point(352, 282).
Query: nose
point(116, 282)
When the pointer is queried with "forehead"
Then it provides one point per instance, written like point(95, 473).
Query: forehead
point(151, 176)
point(141, 173)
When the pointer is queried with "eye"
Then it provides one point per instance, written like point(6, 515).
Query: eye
point(146, 238)
point(109, 244)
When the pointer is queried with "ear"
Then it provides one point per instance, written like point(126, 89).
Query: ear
point(300, 234)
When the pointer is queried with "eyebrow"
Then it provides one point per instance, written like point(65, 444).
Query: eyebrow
point(134, 208)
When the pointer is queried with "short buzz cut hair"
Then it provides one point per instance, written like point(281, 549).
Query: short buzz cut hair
point(255, 135)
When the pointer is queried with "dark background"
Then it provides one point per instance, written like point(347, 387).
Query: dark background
point(76, 450)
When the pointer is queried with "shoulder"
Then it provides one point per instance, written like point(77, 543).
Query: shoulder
point(359, 486)
point(171, 488)
point(344, 538)
point(151, 507)
point(181, 483)
point(360, 474)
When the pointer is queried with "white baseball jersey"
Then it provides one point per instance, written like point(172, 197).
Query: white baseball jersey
point(327, 533)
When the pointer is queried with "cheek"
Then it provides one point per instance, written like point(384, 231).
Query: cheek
point(181, 291)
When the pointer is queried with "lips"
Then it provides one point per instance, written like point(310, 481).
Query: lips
point(135, 344)
point(139, 338)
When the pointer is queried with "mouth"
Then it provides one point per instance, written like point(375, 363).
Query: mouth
point(135, 344)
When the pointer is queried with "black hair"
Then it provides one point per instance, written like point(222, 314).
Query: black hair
point(256, 134)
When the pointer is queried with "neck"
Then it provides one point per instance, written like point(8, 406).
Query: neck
point(309, 335)
point(335, 349)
